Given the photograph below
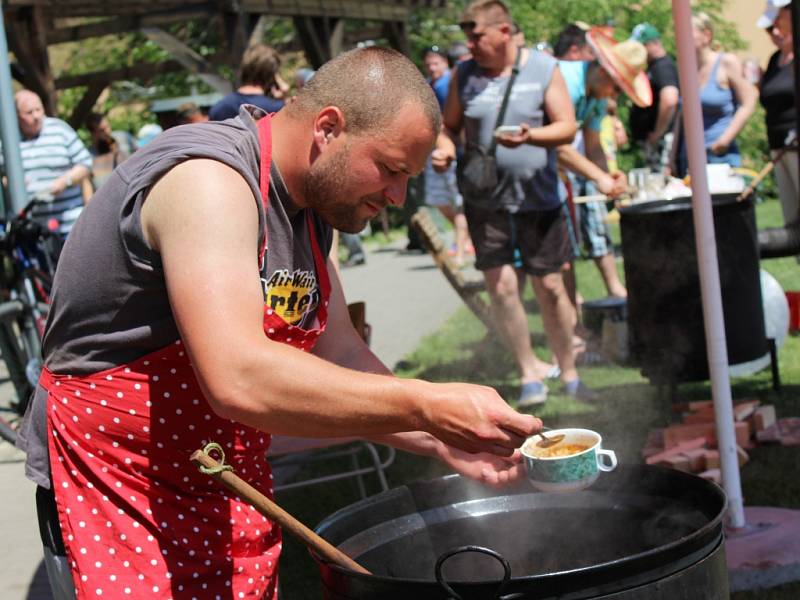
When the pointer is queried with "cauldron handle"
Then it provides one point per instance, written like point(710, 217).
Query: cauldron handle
point(460, 550)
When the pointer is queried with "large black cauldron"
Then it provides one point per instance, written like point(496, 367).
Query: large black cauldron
point(638, 533)
point(665, 312)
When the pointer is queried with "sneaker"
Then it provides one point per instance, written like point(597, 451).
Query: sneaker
point(532, 394)
point(356, 259)
point(577, 389)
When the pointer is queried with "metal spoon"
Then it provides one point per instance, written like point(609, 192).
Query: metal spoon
point(547, 442)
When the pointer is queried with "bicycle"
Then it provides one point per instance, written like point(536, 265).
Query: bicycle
point(25, 283)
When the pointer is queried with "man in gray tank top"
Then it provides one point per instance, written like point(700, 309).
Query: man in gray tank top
point(520, 227)
point(194, 306)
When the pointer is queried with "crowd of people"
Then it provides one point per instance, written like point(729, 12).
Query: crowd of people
point(197, 297)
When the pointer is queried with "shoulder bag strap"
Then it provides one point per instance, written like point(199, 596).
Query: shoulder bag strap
point(501, 115)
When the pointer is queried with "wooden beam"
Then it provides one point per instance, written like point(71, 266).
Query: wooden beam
point(127, 24)
point(315, 49)
point(190, 59)
point(84, 107)
point(349, 9)
point(238, 27)
point(26, 40)
point(383, 10)
point(395, 32)
point(143, 71)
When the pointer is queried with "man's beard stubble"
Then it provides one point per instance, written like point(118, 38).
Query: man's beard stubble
point(322, 187)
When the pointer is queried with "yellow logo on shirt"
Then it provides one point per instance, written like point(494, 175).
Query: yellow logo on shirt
point(291, 295)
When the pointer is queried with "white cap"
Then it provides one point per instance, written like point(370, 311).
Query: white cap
point(771, 13)
point(147, 133)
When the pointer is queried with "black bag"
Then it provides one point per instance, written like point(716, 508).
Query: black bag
point(476, 172)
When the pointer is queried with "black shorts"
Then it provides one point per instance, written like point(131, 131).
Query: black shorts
point(535, 241)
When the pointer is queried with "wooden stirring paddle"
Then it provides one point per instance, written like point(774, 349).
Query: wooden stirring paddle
point(269, 509)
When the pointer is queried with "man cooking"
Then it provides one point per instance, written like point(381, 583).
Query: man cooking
point(194, 304)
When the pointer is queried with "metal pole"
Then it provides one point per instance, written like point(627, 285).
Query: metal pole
point(9, 129)
point(796, 68)
point(708, 266)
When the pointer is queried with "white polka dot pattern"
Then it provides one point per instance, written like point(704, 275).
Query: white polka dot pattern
point(135, 514)
point(138, 519)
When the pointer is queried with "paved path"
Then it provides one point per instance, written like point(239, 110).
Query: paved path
point(407, 298)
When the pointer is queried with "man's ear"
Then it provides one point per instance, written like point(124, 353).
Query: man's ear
point(328, 125)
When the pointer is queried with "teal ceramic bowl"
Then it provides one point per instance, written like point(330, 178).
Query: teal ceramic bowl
point(550, 472)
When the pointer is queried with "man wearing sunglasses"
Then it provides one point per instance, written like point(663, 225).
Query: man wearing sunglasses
point(518, 228)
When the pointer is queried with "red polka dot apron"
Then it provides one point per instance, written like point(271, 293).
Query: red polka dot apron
point(138, 519)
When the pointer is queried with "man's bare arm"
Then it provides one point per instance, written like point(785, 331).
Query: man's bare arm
point(213, 284)
point(562, 127)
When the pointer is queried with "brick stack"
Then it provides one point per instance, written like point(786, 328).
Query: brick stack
point(691, 445)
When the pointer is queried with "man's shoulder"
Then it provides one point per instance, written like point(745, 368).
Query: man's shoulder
point(664, 64)
point(663, 71)
point(56, 124)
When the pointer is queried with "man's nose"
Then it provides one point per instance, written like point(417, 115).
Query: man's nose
point(396, 192)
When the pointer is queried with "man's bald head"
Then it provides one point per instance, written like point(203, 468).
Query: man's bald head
point(369, 85)
point(30, 113)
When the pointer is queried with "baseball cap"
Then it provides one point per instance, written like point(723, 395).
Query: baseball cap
point(771, 13)
point(148, 133)
point(644, 32)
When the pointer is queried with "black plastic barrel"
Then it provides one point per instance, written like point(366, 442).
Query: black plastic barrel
point(665, 314)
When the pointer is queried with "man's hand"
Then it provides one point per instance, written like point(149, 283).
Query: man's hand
point(719, 147)
point(513, 140)
point(492, 470)
point(613, 184)
point(442, 158)
point(474, 418)
point(59, 185)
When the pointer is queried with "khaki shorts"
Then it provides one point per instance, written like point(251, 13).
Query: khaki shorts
point(535, 241)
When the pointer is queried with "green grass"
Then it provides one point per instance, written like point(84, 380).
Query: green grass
point(628, 409)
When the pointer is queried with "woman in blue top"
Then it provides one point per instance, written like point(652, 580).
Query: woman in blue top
point(727, 98)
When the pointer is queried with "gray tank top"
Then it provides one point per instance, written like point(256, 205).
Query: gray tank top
point(528, 174)
point(110, 305)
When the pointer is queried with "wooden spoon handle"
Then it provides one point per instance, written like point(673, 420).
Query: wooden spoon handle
point(274, 512)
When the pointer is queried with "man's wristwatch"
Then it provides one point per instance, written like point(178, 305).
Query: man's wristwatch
point(68, 178)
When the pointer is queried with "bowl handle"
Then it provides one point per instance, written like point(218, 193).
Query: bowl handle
point(602, 463)
point(452, 595)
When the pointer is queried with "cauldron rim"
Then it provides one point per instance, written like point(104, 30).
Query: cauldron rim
point(656, 207)
point(707, 536)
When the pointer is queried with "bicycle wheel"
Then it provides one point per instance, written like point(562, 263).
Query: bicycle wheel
point(14, 353)
point(7, 432)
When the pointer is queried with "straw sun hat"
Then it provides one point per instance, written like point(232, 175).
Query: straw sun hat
point(626, 63)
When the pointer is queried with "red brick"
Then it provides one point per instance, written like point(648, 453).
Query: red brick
point(743, 410)
point(698, 417)
point(769, 435)
point(712, 459)
point(683, 447)
point(677, 434)
point(701, 405)
point(763, 417)
point(697, 459)
point(743, 434)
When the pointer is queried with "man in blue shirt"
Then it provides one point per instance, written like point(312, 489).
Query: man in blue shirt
point(257, 73)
